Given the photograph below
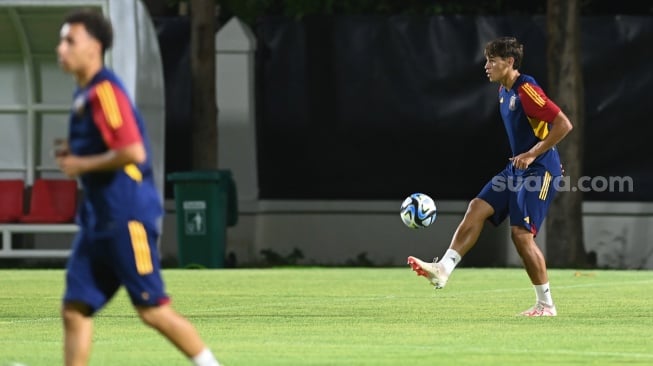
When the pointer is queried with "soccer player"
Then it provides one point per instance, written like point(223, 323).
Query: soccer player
point(108, 151)
point(525, 188)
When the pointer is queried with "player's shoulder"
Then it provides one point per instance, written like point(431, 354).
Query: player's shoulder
point(106, 77)
point(106, 83)
point(527, 80)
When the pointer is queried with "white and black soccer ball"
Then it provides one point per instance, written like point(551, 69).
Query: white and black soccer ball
point(418, 211)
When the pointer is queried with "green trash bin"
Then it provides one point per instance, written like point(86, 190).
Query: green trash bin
point(206, 205)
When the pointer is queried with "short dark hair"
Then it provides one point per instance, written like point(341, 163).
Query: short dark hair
point(505, 47)
point(96, 24)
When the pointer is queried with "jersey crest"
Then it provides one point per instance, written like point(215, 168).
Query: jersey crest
point(78, 104)
point(513, 103)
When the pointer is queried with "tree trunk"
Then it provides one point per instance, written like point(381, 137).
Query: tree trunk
point(202, 61)
point(564, 228)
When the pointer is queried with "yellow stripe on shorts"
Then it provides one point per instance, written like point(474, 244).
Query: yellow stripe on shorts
point(133, 172)
point(546, 182)
point(141, 248)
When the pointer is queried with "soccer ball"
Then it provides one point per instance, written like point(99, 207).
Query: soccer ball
point(418, 211)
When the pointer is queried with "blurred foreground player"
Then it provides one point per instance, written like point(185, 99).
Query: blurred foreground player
point(524, 190)
point(108, 150)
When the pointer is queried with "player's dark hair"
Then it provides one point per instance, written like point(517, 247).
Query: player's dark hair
point(505, 47)
point(96, 25)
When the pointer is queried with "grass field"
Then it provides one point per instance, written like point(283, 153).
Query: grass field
point(338, 316)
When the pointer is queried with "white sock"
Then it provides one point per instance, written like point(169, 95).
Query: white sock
point(543, 293)
point(205, 358)
point(450, 260)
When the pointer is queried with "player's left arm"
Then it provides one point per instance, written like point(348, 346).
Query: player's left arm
point(116, 121)
point(537, 105)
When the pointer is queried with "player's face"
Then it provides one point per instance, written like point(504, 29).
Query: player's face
point(76, 47)
point(497, 68)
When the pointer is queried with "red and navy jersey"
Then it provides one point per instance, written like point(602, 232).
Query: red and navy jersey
point(104, 118)
point(527, 115)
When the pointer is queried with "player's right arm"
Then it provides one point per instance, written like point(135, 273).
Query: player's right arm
point(113, 115)
point(537, 105)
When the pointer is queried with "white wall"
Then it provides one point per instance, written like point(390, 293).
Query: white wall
point(332, 232)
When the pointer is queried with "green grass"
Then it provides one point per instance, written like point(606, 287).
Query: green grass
point(336, 316)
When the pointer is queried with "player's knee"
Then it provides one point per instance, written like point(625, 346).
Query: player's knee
point(151, 316)
point(148, 316)
point(73, 312)
point(478, 211)
point(521, 237)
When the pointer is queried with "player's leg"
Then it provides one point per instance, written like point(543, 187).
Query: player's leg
point(491, 203)
point(530, 254)
point(78, 332)
point(528, 208)
point(463, 240)
point(89, 285)
point(137, 264)
point(469, 229)
point(179, 331)
point(535, 266)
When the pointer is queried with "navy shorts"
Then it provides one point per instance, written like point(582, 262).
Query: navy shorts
point(524, 195)
point(100, 263)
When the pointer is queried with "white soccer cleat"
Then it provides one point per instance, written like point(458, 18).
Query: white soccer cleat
point(434, 272)
point(540, 309)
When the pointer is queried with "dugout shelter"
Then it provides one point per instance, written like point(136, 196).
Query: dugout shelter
point(36, 96)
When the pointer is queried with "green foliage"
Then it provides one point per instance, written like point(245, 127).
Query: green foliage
point(361, 260)
point(247, 10)
point(272, 258)
point(250, 10)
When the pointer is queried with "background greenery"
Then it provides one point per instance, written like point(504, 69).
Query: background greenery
point(251, 10)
